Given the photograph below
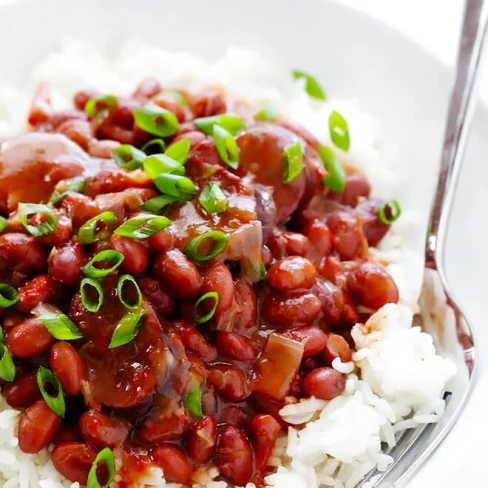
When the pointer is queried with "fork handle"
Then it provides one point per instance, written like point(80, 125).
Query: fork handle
point(461, 108)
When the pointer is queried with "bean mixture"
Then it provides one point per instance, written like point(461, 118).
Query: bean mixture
point(174, 269)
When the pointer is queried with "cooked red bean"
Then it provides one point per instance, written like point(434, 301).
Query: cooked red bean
point(372, 285)
point(122, 115)
point(37, 426)
point(332, 299)
point(173, 461)
point(62, 231)
point(172, 106)
point(336, 347)
point(74, 460)
point(28, 339)
point(300, 131)
point(296, 244)
point(265, 430)
point(207, 103)
point(178, 274)
point(324, 383)
point(171, 427)
point(235, 346)
point(40, 109)
point(66, 364)
point(229, 381)
point(246, 301)
point(332, 269)
point(374, 229)
point(349, 312)
point(348, 239)
point(162, 302)
point(110, 131)
point(65, 264)
point(291, 309)
point(356, 186)
point(22, 253)
point(313, 339)
point(39, 289)
point(194, 135)
point(147, 88)
point(82, 97)
point(134, 252)
point(203, 152)
point(320, 237)
point(234, 455)
point(202, 439)
point(79, 131)
point(161, 241)
point(79, 208)
point(102, 430)
point(195, 342)
point(291, 274)
point(67, 433)
point(12, 318)
point(233, 415)
point(23, 391)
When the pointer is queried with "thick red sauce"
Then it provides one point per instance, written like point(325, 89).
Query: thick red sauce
point(272, 338)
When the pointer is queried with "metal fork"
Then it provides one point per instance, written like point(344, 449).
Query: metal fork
point(415, 446)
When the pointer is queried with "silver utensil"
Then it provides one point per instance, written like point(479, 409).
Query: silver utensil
point(415, 446)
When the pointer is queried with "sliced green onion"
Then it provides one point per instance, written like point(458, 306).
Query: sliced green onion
point(55, 403)
point(124, 280)
point(389, 212)
point(213, 199)
point(142, 226)
point(88, 234)
point(105, 456)
point(60, 326)
point(176, 96)
point(88, 287)
point(312, 86)
point(179, 150)
point(177, 186)
point(26, 210)
point(154, 146)
point(3, 224)
point(128, 157)
point(156, 120)
point(193, 402)
point(230, 123)
point(293, 162)
point(219, 242)
point(127, 329)
point(267, 112)
point(97, 105)
point(211, 295)
point(336, 179)
point(7, 366)
point(113, 258)
point(8, 295)
point(75, 185)
point(226, 146)
point(2, 334)
point(339, 131)
point(156, 204)
point(160, 163)
point(252, 270)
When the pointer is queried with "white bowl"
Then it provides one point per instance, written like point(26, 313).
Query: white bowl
point(356, 57)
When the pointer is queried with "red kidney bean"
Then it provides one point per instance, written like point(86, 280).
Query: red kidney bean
point(40, 109)
point(12, 318)
point(82, 97)
point(202, 440)
point(79, 208)
point(372, 285)
point(173, 461)
point(209, 401)
point(192, 133)
point(233, 415)
point(122, 114)
point(291, 274)
point(235, 346)
point(247, 302)
point(23, 391)
point(320, 237)
point(162, 302)
point(291, 309)
point(73, 460)
point(218, 278)
point(207, 103)
point(332, 269)
point(295, 244)
point(62, 231)
point(195, 342)
point(349, 312)
point(102, 430)
point(332, 299)
point(348, 239)
point(28, 339)
point(336, 347)
point(22, 253)
point(172, 106)
point(324, 383)
point(147, 88)
point(312, 338)
point(134, 252)
point(229, 381)
point(102, 149)
point(201, 153)
point(161, 241)
point(234, 456)
point(171, 427)
point(373, 228)
point(66, 433)
point(300, 131)
point(197, 365)
point(108, 130)
point(296, 388)
point(37, 426)
point(175, 271)
point(65, 264)
point(66, 364)
point(308, 365)
point(356, 186)
point(79, 131)
point(38, 290)
point(264, 430)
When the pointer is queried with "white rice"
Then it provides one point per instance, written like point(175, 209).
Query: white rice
point(395, 380)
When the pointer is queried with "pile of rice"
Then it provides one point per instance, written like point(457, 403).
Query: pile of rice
point(395, 380)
